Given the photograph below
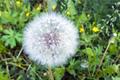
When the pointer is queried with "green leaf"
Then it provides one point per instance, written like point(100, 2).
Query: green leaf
point(18, 37)
point(83, 18)
point(11, 37)
point(89, 52)
point(111, 69)
point(113, 48)
point(3, 75)
point(116, 78)
point(2, 48)
point(71, 7)
point(59, 72)
point(74, 65)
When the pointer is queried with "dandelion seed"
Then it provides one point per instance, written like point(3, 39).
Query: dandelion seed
point(50, 39)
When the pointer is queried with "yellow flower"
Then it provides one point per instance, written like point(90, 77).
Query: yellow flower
point(95, 29)
point(27, 14)
point(68, 13)
point(38, 7)
point(53, 7)
point(18, 3)
point(82, 29)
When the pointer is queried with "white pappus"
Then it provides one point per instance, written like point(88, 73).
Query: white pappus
point(50, 39)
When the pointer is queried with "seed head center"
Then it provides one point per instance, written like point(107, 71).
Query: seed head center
point(51, 38)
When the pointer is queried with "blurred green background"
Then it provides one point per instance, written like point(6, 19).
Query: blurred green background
point(97, 57)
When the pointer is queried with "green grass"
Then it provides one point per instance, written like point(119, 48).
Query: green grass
point(97, 57)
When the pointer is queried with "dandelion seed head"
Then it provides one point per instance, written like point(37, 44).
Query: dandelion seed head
point(50, 39)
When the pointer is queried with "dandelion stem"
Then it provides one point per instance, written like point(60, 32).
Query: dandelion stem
point(19, 52)
point(104, 54)
point(50, 73)
point(49, 5)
